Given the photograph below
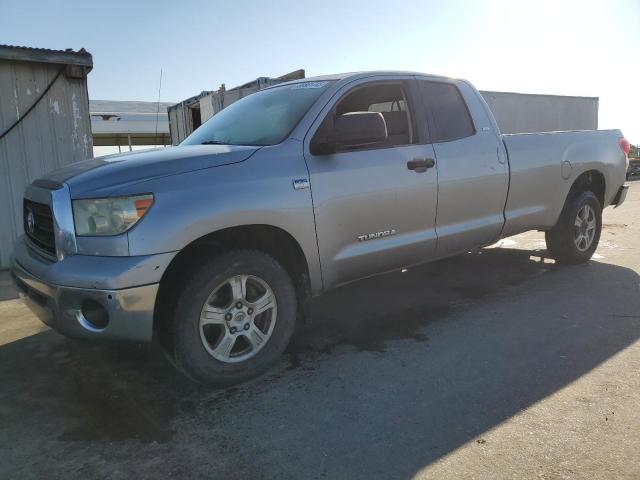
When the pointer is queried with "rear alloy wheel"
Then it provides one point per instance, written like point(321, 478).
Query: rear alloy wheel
point(234, 318)
point(584, 228)
point(575, 237)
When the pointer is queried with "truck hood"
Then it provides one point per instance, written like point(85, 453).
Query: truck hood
point(103, 175)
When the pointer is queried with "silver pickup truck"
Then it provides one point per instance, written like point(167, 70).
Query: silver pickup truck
point(216, 246)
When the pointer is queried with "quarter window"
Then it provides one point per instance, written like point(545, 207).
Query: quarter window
point(449, 111)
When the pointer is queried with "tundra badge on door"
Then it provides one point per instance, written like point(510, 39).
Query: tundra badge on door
point(373, 236)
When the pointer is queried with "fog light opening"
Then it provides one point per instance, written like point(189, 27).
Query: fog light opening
point(93, 316)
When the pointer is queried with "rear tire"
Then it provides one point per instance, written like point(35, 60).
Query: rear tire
point(575, 237)
point(234, 318)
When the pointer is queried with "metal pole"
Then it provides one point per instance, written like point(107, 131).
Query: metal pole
point(129, 137)
point(158, 109)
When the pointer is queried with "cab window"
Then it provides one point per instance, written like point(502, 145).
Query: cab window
point(388, 99)
point(449, 113)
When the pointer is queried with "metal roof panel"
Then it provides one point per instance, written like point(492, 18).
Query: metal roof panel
point(44, 55)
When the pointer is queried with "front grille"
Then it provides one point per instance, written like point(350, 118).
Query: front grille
point(40, 229)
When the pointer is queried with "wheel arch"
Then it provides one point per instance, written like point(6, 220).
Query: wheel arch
point(275, 241)
point(592, 180)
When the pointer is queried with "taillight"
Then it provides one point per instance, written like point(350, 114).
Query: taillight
point(625, 146)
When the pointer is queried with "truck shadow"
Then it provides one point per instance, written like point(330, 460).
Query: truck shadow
point(369, 313)
point(391, 374)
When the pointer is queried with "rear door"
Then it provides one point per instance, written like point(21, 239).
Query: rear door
point(373, 212)
point(473, 176)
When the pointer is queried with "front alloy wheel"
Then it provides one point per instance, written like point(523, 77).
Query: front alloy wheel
point(234, 317)
point(238, 318)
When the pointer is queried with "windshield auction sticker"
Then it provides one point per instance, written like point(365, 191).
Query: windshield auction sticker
point(309, 85)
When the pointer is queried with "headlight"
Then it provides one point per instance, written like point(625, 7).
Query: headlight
point(109, 216)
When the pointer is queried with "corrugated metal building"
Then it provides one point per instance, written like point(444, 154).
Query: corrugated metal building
point(527, 113)
point(44, 124)
point(186, 116)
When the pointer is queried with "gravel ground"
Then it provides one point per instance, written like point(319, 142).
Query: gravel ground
point(495, 364)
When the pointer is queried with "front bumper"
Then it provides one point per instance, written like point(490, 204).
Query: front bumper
point(124, 312)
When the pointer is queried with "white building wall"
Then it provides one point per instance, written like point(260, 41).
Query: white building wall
point(527, 113)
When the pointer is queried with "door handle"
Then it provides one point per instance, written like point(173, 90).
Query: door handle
point(421, 164)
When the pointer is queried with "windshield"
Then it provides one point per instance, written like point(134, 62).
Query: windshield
point(263, 118)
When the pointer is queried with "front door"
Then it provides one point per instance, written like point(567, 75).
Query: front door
point(374, 210)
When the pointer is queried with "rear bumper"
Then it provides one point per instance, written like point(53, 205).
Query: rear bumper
point(620, 196)
point(82, 311)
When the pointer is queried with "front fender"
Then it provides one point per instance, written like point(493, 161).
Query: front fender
point(257, 191)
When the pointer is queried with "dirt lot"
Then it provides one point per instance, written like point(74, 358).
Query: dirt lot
point(495, 364)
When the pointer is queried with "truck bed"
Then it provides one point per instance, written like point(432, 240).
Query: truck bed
point(543, 167)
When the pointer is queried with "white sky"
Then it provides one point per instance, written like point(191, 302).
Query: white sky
point(562, 47)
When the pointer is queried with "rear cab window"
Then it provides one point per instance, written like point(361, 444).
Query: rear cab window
point(447, 111)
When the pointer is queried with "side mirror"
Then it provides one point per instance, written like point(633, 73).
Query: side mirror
point(354, 130)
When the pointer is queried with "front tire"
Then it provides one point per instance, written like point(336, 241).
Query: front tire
point(234, 318)
point(575, 237)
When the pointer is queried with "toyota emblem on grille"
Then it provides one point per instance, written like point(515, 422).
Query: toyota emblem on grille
point(31, 221)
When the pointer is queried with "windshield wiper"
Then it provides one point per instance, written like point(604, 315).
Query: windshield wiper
point(215, 142)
